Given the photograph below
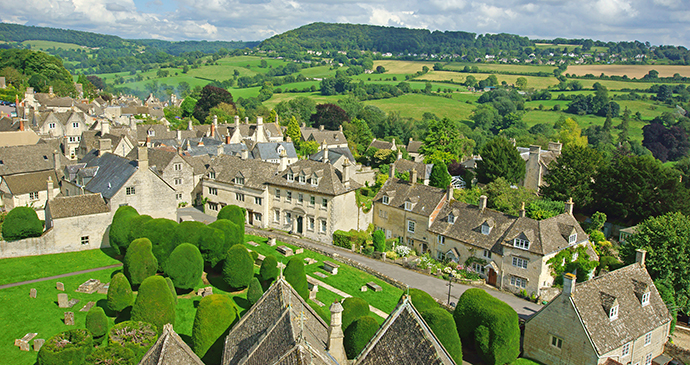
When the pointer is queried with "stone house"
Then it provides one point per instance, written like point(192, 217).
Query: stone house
point(510, 252)
point(331, 139)
point(80, 221)
point(116, 141)
point(423, 170)
point(68, 125)
point(537, 163)
point(405, 210)
point(339, 156)
point(383, 145)
point(174, 169)
point(616, 318)
point(413, 148)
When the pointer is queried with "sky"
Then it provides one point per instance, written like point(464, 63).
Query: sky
point(660, 22)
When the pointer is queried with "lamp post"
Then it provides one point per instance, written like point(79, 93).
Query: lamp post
point(450, 285)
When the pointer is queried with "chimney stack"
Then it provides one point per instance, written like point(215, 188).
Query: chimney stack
point(392, 171)
point(105, 127)
point(189, 125)
point(213, 130)
point(399, 155)
point(640, 256)
point(283, 160)
point(179, 135)
point(219, 150)
point(413, 176)
point(449, 193)
point(56, 160)
point(340, 128)
point(569, 284)
point(245, 154)
point(482, 202)
point(569, 206)
point(522, 210)
point(105, 145)
point(321, 127)
point(148, 141)
point(227, 139)
point(237, 121)
point(325, 153)
point(555, 147)
point(335, 334)
point(259, 134)
point(347, 172)
point(143, 158)
point(246, 120)
point(50, 188)
point(50, 91)
point(215, 120)
point(21, 125)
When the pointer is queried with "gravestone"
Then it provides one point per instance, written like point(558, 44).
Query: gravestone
point(204, 292)
point(331, 267)
point(253, 243)
point(89, 287)
point(24, 346)
point(38, 343)
point(260, 259)
point(69, 318)
point(33, 293)
point(320, 274)
point(87, 307)
point(271, 241)
point(285, 251)
point(309, 260)
point(60, 286)
point(24, 341)
point(299, 251)
point(72, 302)
point(375, 287)
point(63, 300)
point(103, 289)
point(363, 288)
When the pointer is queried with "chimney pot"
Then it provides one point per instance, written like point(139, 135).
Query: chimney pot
point(449, 193)
point(321, 127)
point(143, 158)
point(569, 280)
point(569, 206)
point(21, 125)
point(640, 256)
point(189, 125)
point(227, 139)
point(482, 202)
point(213, 130)
point(49, 188)
point(413, 176)
point(522, 210)
point(392, 171)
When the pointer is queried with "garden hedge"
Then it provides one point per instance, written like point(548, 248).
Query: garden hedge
point(269, 270)
point(442, 324)
point(490, 324)
point(215, 315)
point(120, 227)
point(97, 322)
point(234, 214)
point(238, 269)
point(120, 294)
point(358, 335)
point(185, 266)
point(161, 233)
point(255, 291)
point(137, 336)
point(354, 308)
point(112, 355)
point(140, 263)
point(295, 275)
point(155, 303)
point(68, 347)
point(347, 239)
point(20, 223)
point(379, 239)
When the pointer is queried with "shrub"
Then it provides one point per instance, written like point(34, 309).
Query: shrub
point(295, 275)
point(112, 355)
point(490, 324)
point(185, 266)
point(342, 239)
point(354, 308)
point(269, 270)
point(238, 269)
point(140, 263)
point(234, 235)
point(234, 214)
point(358, 335)
point(161, 233)
point(441, 323)
point(214, 317)
point(255, 291)
point(189, 232)
point(422, 300)
point(137, 336)
point(135, 225)
point(120, 294)
point(212, 245)
point(379, 239)
point(119, 228)
point(171, 286)
point(154, 304)
point(97, 322)
point(69, 347)
point(21, 222)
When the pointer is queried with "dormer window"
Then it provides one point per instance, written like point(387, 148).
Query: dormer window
point(302, 179)
point(408, 206)
point(572, 238)
point(451, 218)
point(613, 312)
point(521, 243)
point(151, 133)
point(385, 200)
point(314, 180)
point(239, 180)
point(290, 176)
point(211, 175)
point(645, 299)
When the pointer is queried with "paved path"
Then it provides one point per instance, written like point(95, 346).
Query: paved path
point(435, 287)
point(343, 294)
point(59, 276)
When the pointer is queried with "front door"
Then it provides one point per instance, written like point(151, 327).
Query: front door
point(300, 222)
point(491, 277)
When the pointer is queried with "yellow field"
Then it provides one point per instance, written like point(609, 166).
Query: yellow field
point(532, 81)
point(500, 67)
point(630, 70)
point(403, 67)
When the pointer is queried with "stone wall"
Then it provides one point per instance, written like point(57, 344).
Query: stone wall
point(677, 352)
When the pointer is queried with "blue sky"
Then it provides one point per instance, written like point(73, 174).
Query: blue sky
point(656, 21)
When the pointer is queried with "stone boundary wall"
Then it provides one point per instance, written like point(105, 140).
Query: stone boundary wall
point(677, 352)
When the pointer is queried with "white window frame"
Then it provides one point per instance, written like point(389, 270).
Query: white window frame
point(312, 200)
point(520, 262)
point(520, 243)
point(257, 217)
point(311, 224)
point(625, 350)
point(276, 215)
point(451, 218)
point(277, 195)
point(258, 200)
point(385, 200)
point(314, 181)
point(212, 191)
point(33, 195)
point(302, 179)
point(613, 313)
point(131, 190)
point(518, 282)
point(239, 180)
point(648, 359)
point(648, 338)
point(212, 175)
point(288, 218)
point(408, 206)
point(478, 268)
point(324, 203)
point(84, 240)
point(486, 254)
point(239, 197)
point(213, 206)
point(288, 196)
point(323, 226)
point(411, 225)
point(486, 229)
point(151, 133)
point(177, 167)
point(75, 124)
point(645, 299)
point(441, 239)
point(290, 176)
point(300, 198)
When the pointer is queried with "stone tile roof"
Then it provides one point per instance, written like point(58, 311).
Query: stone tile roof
point(424, 198)
point(170, 349)
point(199, 163)
point(334, 153)
point(30, 182)
point(633, 321)
point(45, 100)
point(404, 338)
point(330, 137)
point(90, 139)
point(413, 146)
point(381, 145)
point(328, 177)
point(423, 170)
point(113, 172)
point(256, 173)
point(7, 124)
point(77, 205)
point(158, 158)
point(22, 159)
point(281, 328)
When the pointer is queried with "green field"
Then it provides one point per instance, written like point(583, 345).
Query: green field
point(415, 105)
point(532, 81)
point(457, 66)
point(46, 45)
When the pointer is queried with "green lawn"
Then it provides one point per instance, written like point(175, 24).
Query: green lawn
point(415, 105)
point(45, 45)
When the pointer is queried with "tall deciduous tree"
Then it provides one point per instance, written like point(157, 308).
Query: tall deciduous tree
point(440, 177)
point(571, 133)
point(500, 159)
point(444, 136)
point(211, 96)
point(572, 175)
point(330, 116)
point(293, 131)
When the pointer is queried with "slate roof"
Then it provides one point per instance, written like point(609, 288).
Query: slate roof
point(423, 170)
point(424, 198)
point(334, 153)
point(77, 205)
point(404, 338)
point(281, 328)
point(329, 178)
point(199, 163)
point(633, 321)
point(256, 173)
point(269, 150)
point(7, 124)
point(30, 158)
point(113, 172)
point(30, 182)
point(170, 349)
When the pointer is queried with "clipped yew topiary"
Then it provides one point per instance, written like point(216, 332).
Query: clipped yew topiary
point(238, 269)
point(97, 323)
point(442, 324)
point(155, 303)
point(215, 315)
point(490, 324)
point(69, 347)
point(422, 301)
point(140, 263)
point(354, 308)
point(269, 270)
point(171, 286)
point(235, 214)
point(135, 225)
point(185, 266)
point(234, 234)
point(379, 239)
point(189, 231)
point(212, 245)
point(20, 223)
point(254, 292)
point(161, 233)
point(295, 275)
point(137, 336)
point(120, 294)
point(111, 355)
point(120, 227)
point(358, 335)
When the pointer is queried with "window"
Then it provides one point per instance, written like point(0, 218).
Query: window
point(239, 197)
point(613, 313)
point(290, 176)
point(314, 180)
point(311, 223)
point(288, 217)
point(51, 125)
point(257, 200)
point(521, 243)
point(556, 342)
point(151, 133)
point(276, 216)
point(130, 190)
point(451, 218)
point(487, 254)
point(74, 139)
point(477, 267)
point(212, 175)
point(288, 196)
point(257, 217)
point(645, 299)
point(324, 202)
point(410, 242)
point(178, 196)
point(385, 200)
point(440, 255)
point(648, 338)
point(522, 263)
point(239, 180)
point(312, 200)
point(213, 206)
point(441, 240)
point(408, 206)
point(75, 125)
point(625, 350)
point(85, 240)
point(648, 359)
point(519, 282)
point(410, 226)
point(213, 191)
point(33, 195)
point(572, 239)
point(302, 179)
point(178, 181)
point(177, 167)
point(383, 214)
point(300, 198)
point(323, 226)
point(277, 193)
point(486, 229)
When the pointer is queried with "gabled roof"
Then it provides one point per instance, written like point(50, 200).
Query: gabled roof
point(281, 328)
point(329, 178)
point(30, 158)
point(413, 146)
point(381, 145)
point(399, 191)
point(634, 320)
point(256, 172)
point(113, 172)
point(404, 338)
point(170, 349)
point(199, 163)
point(30, 182)
point(158, 158)
point(330, 137)
point(423, 170)
point(269, 150)
point(334, 153)
point(77, 205)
